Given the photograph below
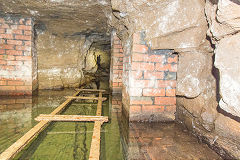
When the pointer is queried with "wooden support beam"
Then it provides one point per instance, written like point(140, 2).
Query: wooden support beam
point(95, 144)
point(47, 117)
point(90, 90)
point(87, 98)
point(25, 139)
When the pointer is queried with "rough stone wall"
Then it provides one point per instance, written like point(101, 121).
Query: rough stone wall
point(171, 24)
point(58, 61)
point(66, 61)
point(116, 64)
point(17, 56)
point(224, 27)
point(209, 99)
point(205, 34)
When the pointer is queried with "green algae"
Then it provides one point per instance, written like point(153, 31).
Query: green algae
point(72, 140)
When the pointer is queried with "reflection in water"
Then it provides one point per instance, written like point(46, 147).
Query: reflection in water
point(60, 140)
point(71, 140)
point(15, 119)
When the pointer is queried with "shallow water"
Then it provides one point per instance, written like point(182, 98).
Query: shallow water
point(71, 140)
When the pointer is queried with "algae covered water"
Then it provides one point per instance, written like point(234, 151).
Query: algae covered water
point(71, 140)
point(62, 140)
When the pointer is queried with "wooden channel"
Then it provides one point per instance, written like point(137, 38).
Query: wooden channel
point(79, 118)
point(25, 139)
point(95, 144)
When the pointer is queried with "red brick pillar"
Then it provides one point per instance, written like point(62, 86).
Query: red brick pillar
point(150, 87)
point(18, 61)
point(116, 68)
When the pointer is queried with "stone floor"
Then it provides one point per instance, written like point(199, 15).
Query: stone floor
point(165, 141)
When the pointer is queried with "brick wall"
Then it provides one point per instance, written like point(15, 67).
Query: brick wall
point(18, 62)
point(116, 64)
point(20, 102)
point(149, 90)
point(116, 100)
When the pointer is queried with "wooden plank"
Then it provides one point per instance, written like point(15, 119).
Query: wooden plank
point(25, 139)
point(47, 117)
point(90, 90)
point(86, 98)
point(95, 144)
point(81, 132)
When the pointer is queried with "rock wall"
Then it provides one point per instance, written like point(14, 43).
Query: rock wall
point(224, 22)
point(66, 61)
point(205, 34)
point(58, 61)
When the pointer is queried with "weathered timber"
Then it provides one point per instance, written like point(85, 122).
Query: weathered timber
point(90, 90)
point(88, 98)
point(25, 139)
point(95, 144)
point(81, 132)
point(46, 117)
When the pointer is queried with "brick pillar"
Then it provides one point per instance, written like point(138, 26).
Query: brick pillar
point(116, 68)
point(18, 61)
point(150, 82)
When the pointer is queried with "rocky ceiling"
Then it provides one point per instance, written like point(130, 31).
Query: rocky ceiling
point(66, 17)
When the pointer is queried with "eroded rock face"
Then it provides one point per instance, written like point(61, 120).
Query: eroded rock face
point(227, 127)
point(227, 61)
point(97, 58)
point(194, 74)
point(228, 13)
point(58, 65)
point(65, 61)
point(67, 17)
point(172, 24)
point(223, 19)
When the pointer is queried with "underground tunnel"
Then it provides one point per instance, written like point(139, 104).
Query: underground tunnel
point(119, 80)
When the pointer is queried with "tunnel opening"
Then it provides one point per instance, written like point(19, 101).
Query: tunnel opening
point(162, 83)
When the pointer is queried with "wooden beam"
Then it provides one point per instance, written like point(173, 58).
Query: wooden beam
point(81, 132)
point(47, 117)
point(90, 90)
point(88, 98)
point(95, 144)
point(25, 139)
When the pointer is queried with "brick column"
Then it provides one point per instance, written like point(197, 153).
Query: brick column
point(116, 68)
point(18, 61)
point(149, 90)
